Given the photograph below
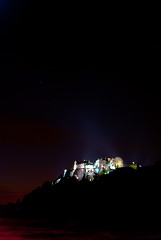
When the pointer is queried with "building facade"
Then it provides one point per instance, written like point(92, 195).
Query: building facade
point(88, 170)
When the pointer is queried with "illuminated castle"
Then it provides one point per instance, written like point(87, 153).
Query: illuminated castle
point(88, 170)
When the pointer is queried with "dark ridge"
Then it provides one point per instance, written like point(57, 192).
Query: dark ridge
point(124, 199)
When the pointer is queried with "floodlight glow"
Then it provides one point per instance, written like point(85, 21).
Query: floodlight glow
point(58, 180)
point(89, 166)
point(88, 169)
point(65, 171)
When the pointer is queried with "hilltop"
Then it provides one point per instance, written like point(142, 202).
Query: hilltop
point(124, 198)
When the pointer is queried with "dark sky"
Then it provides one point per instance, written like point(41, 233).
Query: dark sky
point(77, 81)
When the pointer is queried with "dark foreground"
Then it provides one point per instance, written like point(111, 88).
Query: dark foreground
point(125, 204)
point(27, 230)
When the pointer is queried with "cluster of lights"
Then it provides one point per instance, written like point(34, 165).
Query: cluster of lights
point(89, 170)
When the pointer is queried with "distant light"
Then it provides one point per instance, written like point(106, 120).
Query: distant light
point(89, 166)
point(58, 180)
point(113, 167)
point(65, 170)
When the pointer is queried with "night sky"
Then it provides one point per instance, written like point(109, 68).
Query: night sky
point(77, 81)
